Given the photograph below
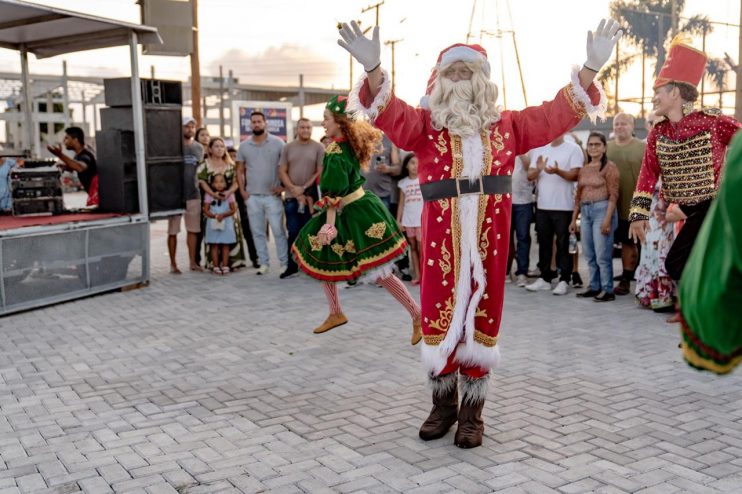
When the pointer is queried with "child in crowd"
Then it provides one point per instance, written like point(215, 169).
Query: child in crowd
point(409, 213)
point(220, 233)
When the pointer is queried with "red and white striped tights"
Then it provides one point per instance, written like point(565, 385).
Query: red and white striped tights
point(392, 284)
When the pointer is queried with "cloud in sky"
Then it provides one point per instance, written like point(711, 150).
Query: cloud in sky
point(278, 65)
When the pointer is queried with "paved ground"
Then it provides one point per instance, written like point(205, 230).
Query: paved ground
point(207, 384)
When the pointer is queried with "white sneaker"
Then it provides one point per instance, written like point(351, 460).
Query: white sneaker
point(263, 269)
point(521, 281)
point(539, 285)
point(561, 288)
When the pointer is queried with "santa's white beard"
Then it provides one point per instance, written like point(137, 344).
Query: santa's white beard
point(452, 106)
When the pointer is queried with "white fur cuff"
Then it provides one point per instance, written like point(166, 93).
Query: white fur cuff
point(580, 97)
point(355, 106)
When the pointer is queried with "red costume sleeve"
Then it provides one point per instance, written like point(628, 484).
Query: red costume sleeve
point(539, 125)
point(726, 128)
point(647, 181)
point(403, 124)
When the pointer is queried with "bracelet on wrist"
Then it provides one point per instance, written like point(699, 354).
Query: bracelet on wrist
point(375, 67)
point(584, 66)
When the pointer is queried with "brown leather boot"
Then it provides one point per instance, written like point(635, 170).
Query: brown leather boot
point(332, 321)
point(471, 426)
point(445, 407)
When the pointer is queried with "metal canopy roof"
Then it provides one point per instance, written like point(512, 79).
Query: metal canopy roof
point(49, 31)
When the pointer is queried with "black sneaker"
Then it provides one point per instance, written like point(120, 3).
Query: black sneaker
point(255, 264)
point(576, 280)
point(588, 293)
point(604, 297)
point(288, 272)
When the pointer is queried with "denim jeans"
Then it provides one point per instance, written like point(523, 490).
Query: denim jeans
point(294, 222)
point(548, 224)
point(260, 208)
point(521, 226)
point(596, 247)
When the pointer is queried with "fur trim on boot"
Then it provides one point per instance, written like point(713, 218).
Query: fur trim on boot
point(445, 407)
point(471, 426)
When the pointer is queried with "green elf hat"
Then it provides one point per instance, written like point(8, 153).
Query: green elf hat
point(337, 104)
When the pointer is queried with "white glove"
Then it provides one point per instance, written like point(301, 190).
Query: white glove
point(366, 51)
point(600, 44)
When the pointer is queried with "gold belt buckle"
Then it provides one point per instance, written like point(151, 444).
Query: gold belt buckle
point(458, 186)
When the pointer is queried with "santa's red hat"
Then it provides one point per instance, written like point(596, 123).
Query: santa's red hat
point(459, 52)
point(683, 63)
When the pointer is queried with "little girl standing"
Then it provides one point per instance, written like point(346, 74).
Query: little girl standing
point(409, 213)
point(220, 233)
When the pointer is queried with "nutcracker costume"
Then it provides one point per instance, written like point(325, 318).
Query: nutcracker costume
point(361, 238)
point(711, 290)
point(687, 154)
point(465, 182)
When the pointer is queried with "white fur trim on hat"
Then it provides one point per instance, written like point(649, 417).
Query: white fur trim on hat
point(465, 54)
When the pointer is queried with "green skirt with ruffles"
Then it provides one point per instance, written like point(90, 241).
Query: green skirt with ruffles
point(367, 238)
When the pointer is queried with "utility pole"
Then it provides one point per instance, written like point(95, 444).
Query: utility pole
point(674, 18)
point(618, 70)
point(221, 101)
point(375, 6)
point(392, 43)
point(738, 98)
point(195, 69)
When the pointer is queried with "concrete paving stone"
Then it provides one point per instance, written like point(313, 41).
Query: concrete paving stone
point(176, 377)
point(30, 483)
point(95, 485)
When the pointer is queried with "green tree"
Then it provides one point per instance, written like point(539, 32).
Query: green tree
point(716, 72)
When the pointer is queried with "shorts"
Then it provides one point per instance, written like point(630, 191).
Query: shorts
point(621, 235)
point(414, 232)
point(192, 219)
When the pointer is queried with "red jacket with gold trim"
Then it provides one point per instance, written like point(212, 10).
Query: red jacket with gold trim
point(688, 155)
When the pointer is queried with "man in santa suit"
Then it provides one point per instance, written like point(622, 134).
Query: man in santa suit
point(466, 149)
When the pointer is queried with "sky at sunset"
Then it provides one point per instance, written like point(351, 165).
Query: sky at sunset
point(271, 42)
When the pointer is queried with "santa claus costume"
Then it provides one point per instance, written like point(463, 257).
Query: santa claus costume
point(466, 150)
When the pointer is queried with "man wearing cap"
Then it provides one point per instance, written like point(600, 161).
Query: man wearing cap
point(466, 150)
point(686, 150)
point(193, 154)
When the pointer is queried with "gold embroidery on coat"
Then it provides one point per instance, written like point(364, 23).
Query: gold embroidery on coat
point(338, 250)
point(441, 144)
point(497, 139)
point(484, 243)
point(445, 204)
point(481, 313)
point(350, 247)
point(484, 339)
point(444, 317)
point(376, 230)
point(445, 262)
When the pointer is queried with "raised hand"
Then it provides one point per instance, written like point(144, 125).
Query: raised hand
point(366, 51)
point(601, 42)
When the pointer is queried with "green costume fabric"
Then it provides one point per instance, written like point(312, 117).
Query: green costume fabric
point(237, 252)
point(367, 234)
point(711, 288)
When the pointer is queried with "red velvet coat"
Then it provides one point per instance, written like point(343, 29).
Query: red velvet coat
point(440, 156)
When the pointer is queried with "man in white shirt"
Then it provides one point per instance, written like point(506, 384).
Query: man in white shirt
point(555, 168)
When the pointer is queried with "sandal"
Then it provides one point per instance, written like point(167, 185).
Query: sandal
point(217, 270)
point(225, 270)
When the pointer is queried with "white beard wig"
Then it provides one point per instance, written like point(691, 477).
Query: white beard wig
point(464, 107)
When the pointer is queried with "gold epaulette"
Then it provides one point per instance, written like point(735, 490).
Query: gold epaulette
point(710, 110)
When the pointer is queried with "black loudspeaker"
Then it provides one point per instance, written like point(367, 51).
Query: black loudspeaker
point(163, 135)
point(154, 92)
point(163, 147)
point(165, 185)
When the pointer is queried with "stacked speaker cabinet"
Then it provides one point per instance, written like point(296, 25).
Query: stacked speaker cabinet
point(163, 147)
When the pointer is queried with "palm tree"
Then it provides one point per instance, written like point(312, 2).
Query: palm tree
point(716, 72)
point(647, 24)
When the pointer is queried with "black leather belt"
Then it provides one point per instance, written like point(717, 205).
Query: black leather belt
point(489, 184)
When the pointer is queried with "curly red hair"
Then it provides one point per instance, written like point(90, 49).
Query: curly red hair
point(363, 138)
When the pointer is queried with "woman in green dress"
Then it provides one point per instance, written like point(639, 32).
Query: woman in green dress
point(219, 162)
point(353, 236)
